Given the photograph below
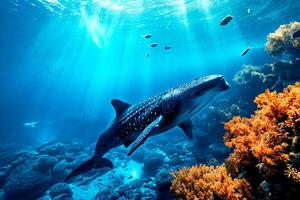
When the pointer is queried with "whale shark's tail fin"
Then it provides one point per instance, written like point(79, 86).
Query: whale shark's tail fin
point(89, 165)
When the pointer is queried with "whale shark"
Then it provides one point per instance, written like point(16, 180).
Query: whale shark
point(134, 124)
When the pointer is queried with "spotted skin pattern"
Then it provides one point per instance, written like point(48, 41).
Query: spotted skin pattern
point(158, 114)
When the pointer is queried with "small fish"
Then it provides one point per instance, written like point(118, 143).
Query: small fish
point(153, 45)
point(31, 124)
point(249, 10)
point(148, 36)
point(168, 47)
point(226, 20)
point(148, 54)
point(246, 51)
point(296, 34)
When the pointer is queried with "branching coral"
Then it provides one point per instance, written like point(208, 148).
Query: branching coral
point(252, 74)
point(265, 136)
point(292, 173)
point(281, 42)
point(266, 154)
point(204, 182)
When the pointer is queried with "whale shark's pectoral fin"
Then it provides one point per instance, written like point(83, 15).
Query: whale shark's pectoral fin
point(128, 143)
point(187, 127)
point(119, 106)
point(145, 134)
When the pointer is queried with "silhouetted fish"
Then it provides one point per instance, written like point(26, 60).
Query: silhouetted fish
point(153, 45)
point(168, 47)
point(148, 36)
point(246, 51)
point(296, 34)
point(226, 20)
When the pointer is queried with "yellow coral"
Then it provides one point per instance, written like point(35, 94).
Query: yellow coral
point(265, 136)
point(208, 182)
point(292, 173)
point(281, 41)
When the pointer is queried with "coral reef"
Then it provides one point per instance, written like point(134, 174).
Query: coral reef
point(249, 75)
point(208, 182)
point(265, 145)
point(265, 157)
point(268, 133)
point(30, 173)
point(281, 41)
point(38, 174)
point(209, 146)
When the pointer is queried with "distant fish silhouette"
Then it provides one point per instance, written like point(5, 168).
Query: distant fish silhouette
point(148, 36)
point(31, 124)
point(226, 20)
point(296, 34)
point(148, 54)
point(153, 45)
point(168, 47)
point(246, 51)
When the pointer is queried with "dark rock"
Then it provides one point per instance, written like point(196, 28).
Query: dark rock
point(150, 184)
point(104, 194)
point(60, 171)
point(131, 190)
point(27, 184)
point(148, 194)
point(53, 148)
point(138, 156)
point(163, 183)
point(218, 150)
point(60, 189)
point(62, 197)
point(153, 162)
point(44, 163)
point(115, 195)
point(130, 186)
point(4, 172)
point(22, 161)
point(163, 180)
point(171, 149)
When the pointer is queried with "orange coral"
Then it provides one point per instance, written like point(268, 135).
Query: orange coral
point(266, 152)
point(292, 173)
point(265, 136)
point(208, 182)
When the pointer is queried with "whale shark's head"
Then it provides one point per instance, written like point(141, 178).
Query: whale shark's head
point(202, 85)
point(193, 96)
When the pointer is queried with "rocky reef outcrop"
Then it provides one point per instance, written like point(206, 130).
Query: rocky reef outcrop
point(31, 173)
point(281, 42)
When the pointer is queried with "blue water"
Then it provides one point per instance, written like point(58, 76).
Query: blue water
point(62, 62)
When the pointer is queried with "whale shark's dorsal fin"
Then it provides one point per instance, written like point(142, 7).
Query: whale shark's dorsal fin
point(119, 106)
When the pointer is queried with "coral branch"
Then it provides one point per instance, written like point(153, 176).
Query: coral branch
point(203, 182)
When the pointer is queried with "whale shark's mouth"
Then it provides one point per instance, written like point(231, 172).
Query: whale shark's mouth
point(225, 85)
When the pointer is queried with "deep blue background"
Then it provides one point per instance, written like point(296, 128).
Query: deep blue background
point(62, 63)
